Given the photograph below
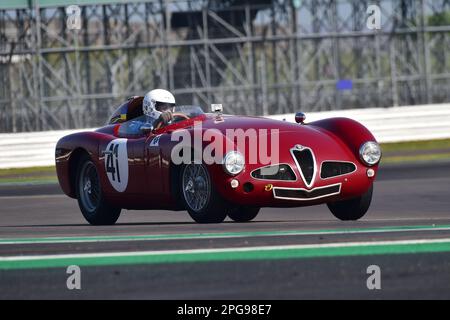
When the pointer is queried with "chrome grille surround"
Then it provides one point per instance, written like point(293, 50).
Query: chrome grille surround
point(305, 194)
point(299, 148)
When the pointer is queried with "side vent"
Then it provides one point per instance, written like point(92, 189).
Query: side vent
point(332, 169)
point(282, 172)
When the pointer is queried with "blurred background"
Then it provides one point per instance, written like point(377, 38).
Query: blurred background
point(260, 57)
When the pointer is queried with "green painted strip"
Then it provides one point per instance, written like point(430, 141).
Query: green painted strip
point(223, 235)
point(257, 254)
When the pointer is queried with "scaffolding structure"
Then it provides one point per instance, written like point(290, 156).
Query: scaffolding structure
point(256, 57)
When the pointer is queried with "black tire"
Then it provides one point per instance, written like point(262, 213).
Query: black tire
point(212, 207)
point(90, 197)
point(243, 213)
point(353, 209)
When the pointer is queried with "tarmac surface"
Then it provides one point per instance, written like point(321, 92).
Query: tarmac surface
point(298, 253)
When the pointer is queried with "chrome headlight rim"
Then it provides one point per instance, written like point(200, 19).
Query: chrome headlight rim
point(362, 152)
point(241, 164)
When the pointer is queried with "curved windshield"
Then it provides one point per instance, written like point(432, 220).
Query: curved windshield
point(190, 111)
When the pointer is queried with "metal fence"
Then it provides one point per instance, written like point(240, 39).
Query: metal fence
point(256, 57)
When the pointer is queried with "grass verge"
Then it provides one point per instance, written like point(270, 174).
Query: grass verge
point(428, 145)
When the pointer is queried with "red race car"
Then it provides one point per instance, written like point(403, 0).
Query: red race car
point(221, 167)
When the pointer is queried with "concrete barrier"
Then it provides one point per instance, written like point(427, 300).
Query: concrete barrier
point(395, 124)
point(31, 149)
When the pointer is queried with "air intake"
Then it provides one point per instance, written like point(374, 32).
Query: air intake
point(303, 194)
point(332, 169)
point(282, 172)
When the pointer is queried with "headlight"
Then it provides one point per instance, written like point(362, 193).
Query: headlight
point(233, 163)
point(370, 153)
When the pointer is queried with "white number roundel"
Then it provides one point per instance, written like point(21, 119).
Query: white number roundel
point(116, 164)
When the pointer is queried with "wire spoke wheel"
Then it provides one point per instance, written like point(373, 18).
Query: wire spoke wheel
point(89, 187)
point(200, 196)
point(90, 195)
point(196, 186)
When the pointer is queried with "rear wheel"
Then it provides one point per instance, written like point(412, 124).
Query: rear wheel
point(199, 196)
point(243, 213)
point(90, 197)
point(353, 209)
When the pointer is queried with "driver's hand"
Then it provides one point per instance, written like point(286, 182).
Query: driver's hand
point(166, 117)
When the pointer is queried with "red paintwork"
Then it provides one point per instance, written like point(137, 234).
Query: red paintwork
point(150, 185)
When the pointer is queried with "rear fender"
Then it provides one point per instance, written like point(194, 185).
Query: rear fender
point(67, 153)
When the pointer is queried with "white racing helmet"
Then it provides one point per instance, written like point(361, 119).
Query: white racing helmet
point(155, 99)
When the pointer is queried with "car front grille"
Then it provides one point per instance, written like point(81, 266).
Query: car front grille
point(305, 161)
point(303, 194)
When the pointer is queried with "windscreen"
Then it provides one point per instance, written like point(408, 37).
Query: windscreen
point(190, 111)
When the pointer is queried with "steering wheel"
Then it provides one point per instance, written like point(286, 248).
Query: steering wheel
point(180, 115)
point(174, 115)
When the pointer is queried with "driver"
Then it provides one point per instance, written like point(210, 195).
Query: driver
point(157, 108)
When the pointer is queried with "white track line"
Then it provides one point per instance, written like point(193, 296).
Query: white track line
point(164, 237)
point(221, 250)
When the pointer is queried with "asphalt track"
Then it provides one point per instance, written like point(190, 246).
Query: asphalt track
point(284, 254)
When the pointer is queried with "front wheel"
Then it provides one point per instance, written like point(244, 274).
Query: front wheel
point(353, 209)
point(200, 198)
point(243, 214)
point(90, 196)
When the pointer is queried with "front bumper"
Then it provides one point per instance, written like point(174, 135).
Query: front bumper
point(267, 193)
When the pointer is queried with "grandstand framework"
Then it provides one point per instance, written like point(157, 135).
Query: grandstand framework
point(256, 57)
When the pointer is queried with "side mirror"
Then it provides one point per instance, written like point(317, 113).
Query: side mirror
point(217, 108)
point(300, 117)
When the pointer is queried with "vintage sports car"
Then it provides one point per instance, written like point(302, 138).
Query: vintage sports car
point(332, 161)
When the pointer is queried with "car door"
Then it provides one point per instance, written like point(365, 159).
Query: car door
point(154, 180)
